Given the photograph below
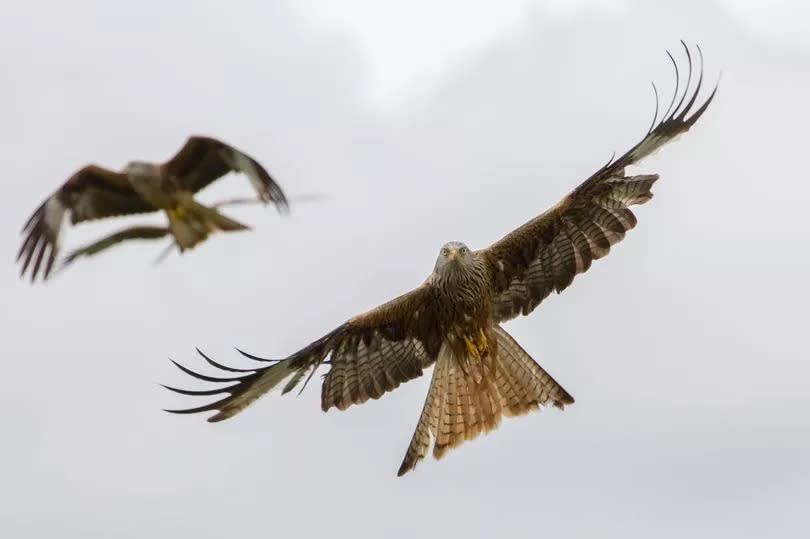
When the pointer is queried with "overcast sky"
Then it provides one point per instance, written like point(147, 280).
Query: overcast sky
point(422, 123)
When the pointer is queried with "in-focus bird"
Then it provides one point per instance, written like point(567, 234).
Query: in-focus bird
point(453, 320)
point(94, 192)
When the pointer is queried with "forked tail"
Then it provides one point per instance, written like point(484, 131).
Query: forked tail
point(461, 404)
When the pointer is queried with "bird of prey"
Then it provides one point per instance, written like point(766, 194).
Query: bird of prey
point(453, 320)
point(94, 192)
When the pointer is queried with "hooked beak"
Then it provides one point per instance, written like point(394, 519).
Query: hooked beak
point(454, 255)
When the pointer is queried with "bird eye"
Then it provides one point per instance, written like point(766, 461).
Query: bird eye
point(463, 250)
point(445, 251)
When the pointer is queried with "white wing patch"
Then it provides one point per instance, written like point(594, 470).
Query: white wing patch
point(83, 206)
point(244, 164)
point(652, 144)
point(53, 218)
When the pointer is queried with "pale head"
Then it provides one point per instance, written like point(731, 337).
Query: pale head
point(452, 256)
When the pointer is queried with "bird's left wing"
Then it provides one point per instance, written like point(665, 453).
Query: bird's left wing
point(547, 253)
point(202, 160)
point(368, 355)
point(131, 233)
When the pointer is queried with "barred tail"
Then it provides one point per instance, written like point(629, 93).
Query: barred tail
point(522, 383)
point(462, 403)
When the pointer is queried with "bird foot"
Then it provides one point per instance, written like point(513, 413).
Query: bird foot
point(479, 347)
point(472, 349)
point(483, 344)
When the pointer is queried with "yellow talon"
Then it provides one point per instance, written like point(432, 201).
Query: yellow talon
point(483, 345)
point(471, 348)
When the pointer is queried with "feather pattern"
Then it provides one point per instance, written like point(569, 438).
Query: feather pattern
point(459, 408)
point(91, 193)
point(368, 355)
point(481, 373)
point(131, 233)
point(203, 160)
point(545, 254)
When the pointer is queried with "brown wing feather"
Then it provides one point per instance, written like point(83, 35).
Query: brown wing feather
point(92, 192)
point(369, 355)
point(203, 160)
point(547, 253)
point(132, 233)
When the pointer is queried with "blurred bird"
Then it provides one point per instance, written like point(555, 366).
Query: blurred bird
point(94, 192)
point(454, 318)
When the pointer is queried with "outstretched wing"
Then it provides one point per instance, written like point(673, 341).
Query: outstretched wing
point(132, 233)
point(91, 193)
point(203, 160)
point(547, 253)
point(369, 355)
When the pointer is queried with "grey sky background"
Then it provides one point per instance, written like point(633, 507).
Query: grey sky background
point(685, 348)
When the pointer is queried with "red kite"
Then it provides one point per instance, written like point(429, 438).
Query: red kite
point(94, 192)
point(453, 319)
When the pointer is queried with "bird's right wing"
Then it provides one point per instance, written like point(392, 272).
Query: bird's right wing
point(91, 193)
point(369, 355)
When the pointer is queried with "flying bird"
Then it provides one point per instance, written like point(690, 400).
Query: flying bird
point(453, 320)
point(94, 192)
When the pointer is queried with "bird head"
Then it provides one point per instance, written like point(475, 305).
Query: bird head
point(453, 255)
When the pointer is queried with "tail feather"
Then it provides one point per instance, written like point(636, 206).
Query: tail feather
point(524, 384)
point(449, 414)
point(463, 402)
point(468, 408)
point(429, 419)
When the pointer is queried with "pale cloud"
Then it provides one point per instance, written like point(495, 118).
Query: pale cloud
point(410, 44)
point(781, 21)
